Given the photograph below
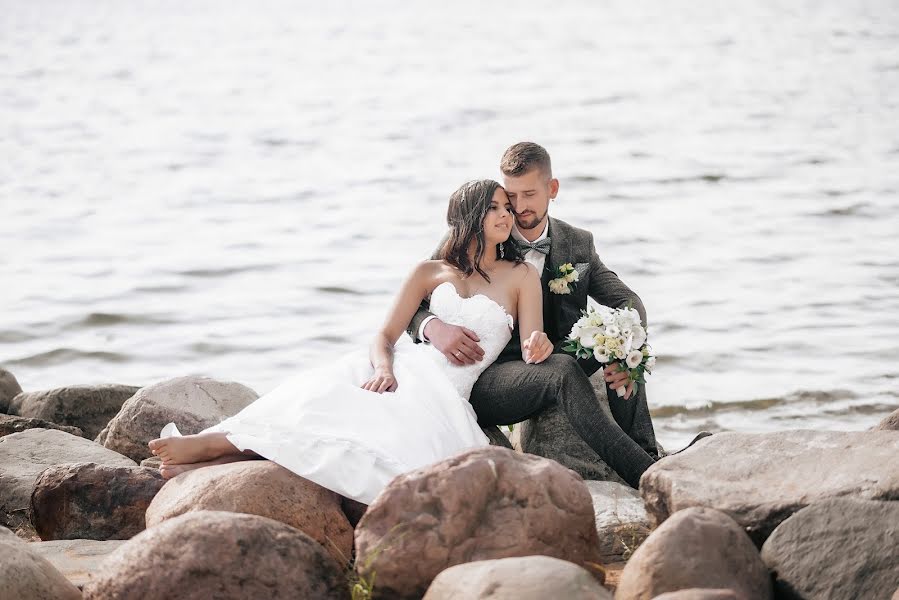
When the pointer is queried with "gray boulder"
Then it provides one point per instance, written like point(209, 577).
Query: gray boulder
point(695, 548)
point(760, 479)
point(192, 403)
point(91, 501)
point(9, 389)
point(24, 455)
point(25, 575)
point(835, 549)
point(550, 434)
point(75, 559)
point(222, 555)
point(621, 519)
point(12, 424)
point(520, 578)
point(87, 407)
point(889, 422)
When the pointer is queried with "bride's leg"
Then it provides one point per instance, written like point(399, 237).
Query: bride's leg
point(193, 448)
point(169, 471)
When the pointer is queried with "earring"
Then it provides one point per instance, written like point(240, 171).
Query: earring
point(502, 252)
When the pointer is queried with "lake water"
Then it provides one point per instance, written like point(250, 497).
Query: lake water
point(193, 188)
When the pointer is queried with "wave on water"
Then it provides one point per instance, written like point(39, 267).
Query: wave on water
point(100, 319)
point(226, 271)
point(64, 356)
point(820, 398)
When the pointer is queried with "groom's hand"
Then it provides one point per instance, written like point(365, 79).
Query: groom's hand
point(617, 377)
point(458, 344)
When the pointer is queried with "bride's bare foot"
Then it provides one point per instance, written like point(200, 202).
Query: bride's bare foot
point(169, 471)
point(191, 448)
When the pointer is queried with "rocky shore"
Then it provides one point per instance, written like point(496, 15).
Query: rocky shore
point(85, 513)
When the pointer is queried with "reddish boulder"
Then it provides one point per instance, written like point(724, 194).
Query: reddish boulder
point(482, 504)
point(259, 487)
point(91, 501)
point(24, 455)
point(695, 548)
point(209, 554)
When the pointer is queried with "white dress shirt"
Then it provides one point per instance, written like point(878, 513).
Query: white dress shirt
point(538, 259)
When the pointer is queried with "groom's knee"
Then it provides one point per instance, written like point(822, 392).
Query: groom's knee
point(563, 367)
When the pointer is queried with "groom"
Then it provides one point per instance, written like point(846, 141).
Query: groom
point(510, 391)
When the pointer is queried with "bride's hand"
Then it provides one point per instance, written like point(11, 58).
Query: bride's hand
point(537, 348)
point(382, 381)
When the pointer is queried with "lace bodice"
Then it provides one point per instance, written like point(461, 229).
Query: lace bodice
point(482, 315)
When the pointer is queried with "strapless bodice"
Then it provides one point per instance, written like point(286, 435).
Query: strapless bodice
point(488, 319)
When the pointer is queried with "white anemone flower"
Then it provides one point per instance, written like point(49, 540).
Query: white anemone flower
point(634, 358)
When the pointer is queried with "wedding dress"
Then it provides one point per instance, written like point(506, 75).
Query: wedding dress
point(323, 426)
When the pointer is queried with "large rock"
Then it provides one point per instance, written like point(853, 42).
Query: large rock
point(835, 549)
point(192, 403)
point(12, 424)
point(87, 407)
point(209, 554)
point(482, 504)
point(75, 559)
point(760, 479)
point(621, 519)
point(522, 578)
point(25, 575)
point(701, 594)
point(889, 422)
point(695, 548)
point(550, 434)
point(24, 455)
point(9, 389)
point(259, 487)
point(91, 501)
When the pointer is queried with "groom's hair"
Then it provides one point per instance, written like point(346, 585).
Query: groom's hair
point(524, 157)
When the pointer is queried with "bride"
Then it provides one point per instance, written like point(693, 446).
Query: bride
point(353, 425)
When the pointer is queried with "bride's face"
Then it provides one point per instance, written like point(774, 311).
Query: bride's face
point(499, 218)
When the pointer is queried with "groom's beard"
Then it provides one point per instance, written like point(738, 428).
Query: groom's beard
point(530, 221)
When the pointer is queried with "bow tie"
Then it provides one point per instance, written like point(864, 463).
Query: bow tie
point(541, 246)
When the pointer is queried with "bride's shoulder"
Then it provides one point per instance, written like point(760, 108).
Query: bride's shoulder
point(525, 271)
point(430, 271)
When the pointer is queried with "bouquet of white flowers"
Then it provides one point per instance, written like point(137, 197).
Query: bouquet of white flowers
point(610, 335)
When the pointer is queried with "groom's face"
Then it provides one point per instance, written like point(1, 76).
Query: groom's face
point(530, 195)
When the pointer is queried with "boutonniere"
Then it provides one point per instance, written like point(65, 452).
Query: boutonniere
point(566, 278)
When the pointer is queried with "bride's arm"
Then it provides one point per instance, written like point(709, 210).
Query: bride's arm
point(415, 289)
point(535, 345)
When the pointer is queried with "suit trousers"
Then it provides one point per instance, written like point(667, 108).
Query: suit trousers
point(512, 391)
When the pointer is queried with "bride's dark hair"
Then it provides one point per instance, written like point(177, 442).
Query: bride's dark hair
point(467, 208)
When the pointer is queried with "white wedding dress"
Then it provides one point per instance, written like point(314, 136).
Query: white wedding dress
point(323, 426)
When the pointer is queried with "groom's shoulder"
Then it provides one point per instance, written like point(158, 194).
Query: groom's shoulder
point(566, 229)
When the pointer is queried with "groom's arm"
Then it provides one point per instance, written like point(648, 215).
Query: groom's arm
point(415, 330)
point(606, 288)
